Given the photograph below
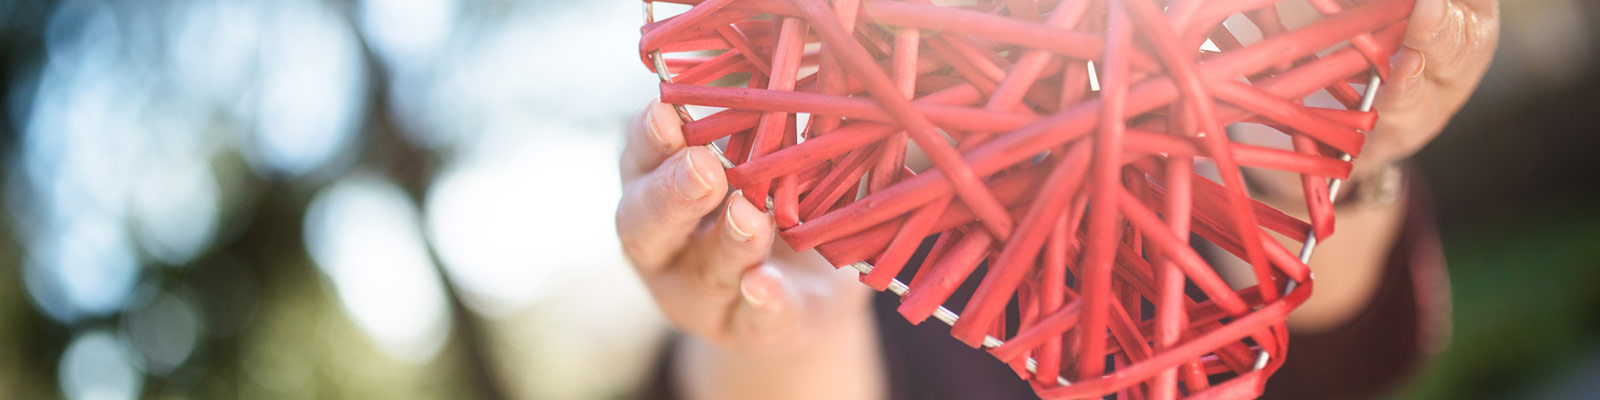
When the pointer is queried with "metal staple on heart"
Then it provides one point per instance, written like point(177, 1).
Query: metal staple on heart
point(1063, 137)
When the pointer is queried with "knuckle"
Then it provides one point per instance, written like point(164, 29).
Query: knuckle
point(632, 235)
point(674, 209)
point(677, 314)
point(769, 330)
point(689, 320)
point(634, 251)
point(715, 266)
point(627, 169)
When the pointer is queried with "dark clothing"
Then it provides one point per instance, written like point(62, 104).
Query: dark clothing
point(1407, 320)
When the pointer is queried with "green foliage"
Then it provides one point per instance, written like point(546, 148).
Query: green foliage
point(1526, 304)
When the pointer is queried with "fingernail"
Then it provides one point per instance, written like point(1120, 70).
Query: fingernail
point(687, 179)
point(1409, 62)
point(733, 224)
point(650, 125)
point(1422, 65)
point(753, 295)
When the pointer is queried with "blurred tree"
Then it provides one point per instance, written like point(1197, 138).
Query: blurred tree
point(270, 324)
point(26, 344)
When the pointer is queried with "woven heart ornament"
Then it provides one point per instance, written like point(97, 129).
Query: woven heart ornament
point(1063, 138)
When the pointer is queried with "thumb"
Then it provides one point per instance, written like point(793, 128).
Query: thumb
point(1453, 35)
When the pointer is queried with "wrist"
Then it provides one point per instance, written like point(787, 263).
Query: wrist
point(809, 364)
point(1366, 188)
point(1381, 187)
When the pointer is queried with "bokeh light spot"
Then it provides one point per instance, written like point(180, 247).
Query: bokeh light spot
point(506, 223)
point(96, 366)
point(365, 235)
point(312, 92)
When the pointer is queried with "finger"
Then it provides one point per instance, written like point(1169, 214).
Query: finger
point(761, 312)
point(661, 209)
point(720, 290)
point(1406, 87)
point(1454, 35)
point(741, 239)
point(766, 311)
point(1410, 118)
point(654, 135)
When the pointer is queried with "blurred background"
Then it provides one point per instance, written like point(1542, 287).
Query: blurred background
point(413, 199)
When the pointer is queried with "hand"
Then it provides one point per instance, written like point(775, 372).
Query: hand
point(1447, 48)
point(1446, 51)
point(760, 318)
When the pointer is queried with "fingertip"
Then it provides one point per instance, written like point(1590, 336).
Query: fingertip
point(1409, 65)
point(707, 167)
point(652, 136)
point(687, 180)
point(663, 125)
point(1405, 85)
point(762, 287)
point(745, 222)
point(768, 313)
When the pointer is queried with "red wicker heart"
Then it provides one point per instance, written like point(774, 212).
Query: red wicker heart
point(1063, 137)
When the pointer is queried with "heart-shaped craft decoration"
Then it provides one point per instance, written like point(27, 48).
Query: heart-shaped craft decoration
point(1064, 137)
